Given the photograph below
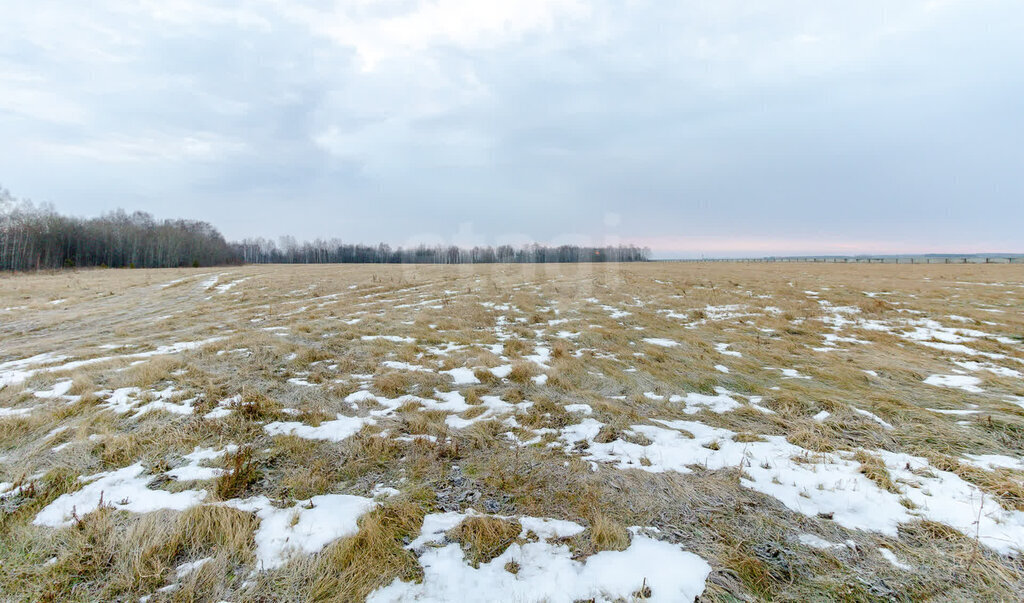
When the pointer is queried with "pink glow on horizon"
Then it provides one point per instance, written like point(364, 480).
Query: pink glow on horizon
point(764, 246)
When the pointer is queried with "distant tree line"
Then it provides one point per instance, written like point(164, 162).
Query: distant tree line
point(263, 251)
point(37, 237)
point(33, 238)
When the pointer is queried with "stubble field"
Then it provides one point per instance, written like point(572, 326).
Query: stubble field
point(612, 432)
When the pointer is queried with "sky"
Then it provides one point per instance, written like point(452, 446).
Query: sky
point(698, 128)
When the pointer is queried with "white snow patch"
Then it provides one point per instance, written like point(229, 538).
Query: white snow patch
point(189, 567)
point(964, 382)
point(124, 489)
point(665, 343)
point(723, 348)
point(811, 483)
point(872, 416)
point(891, 558)
point(994, 461)
point(1002, 371)
point(391, 338)
point(305, 528)
point(462, 376)
point(547, 571)
point(193, 471)
point(501, 371)
point(719, 403)
point(333, 431)
point(818, 543)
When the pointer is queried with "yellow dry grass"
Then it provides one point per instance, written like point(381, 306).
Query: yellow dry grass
point(288, 342)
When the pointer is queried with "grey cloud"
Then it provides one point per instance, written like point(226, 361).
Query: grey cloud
point(895, 127)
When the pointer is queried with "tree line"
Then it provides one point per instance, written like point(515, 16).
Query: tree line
point(37, 238)
point(264, 251)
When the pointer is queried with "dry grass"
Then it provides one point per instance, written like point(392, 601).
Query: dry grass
point(352, 568)
point(292, 348)
point(240, 474)
point(484, 537)
point(606, 534)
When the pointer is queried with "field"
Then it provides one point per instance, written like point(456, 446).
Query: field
point(618, 432)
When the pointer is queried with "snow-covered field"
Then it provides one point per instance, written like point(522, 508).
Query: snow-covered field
point(513, 433)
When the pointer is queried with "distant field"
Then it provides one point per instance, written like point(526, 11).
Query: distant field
point(607, 432)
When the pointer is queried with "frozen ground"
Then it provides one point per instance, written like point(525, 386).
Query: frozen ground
point(558, 433)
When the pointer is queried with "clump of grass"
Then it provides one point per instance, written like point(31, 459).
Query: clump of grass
point(811, 439)
point(352, 568)
point(521, 372)
point(255, 406)
point(874, 469)
point(474, 412)
point(242, 472)
point(514, 347)
point(613, 430)
point(367, 452)
point(316, 474)
point(392, 384)
point(747, 437)
point(485, 376)
point(425, 422)
point(149, 373)
point(216, 529)
point(874, 306)
point(120, 449)
point(485, 537)
point(606, 534)
point(307, 356)
point(561, 349)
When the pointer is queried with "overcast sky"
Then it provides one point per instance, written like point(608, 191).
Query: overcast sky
point(720, 127)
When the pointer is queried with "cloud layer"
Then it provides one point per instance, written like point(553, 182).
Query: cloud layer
point(720, 128)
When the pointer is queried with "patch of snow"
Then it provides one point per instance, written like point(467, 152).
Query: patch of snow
point(546, 569)
point(993, 461)
point(501, 371)
point(813, 483)
point(665, 343)
point(193, 471)
point(462, 376)
point(124, 489)
point(385, 491)
point(964, 382)
point(891, 558)
point(818, 543)
point(224, 407)
point(723, 348)
point(1002, 371)
point(189, 567)
point(495, 406)
point(391, 338)
point(305, 528)
point(719, 403)
point(333, 431)
point(871, 416)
